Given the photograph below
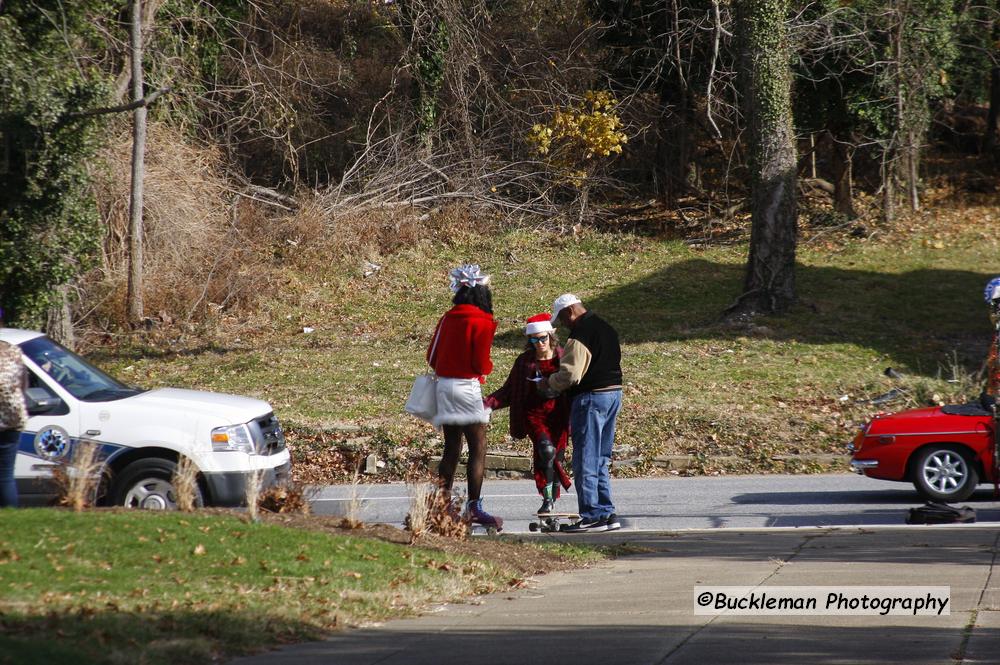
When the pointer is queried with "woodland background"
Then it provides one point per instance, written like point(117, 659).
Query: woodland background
point(312, 163)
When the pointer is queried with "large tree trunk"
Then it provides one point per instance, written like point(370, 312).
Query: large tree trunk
point(59, 321)
point(769, 286)
point(134, 295)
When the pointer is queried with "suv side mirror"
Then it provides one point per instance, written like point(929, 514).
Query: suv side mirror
point(987, 401)
point(39, 400)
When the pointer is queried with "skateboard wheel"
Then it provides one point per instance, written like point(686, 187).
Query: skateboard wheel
point(533, 526)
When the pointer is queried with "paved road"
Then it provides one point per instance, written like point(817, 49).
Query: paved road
point(659, 504)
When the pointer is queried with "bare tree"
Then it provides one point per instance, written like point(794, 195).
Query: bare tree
point(134, 296)
point(769, 286)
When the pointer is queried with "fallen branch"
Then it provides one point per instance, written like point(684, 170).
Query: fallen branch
point(819, 183)
point(272, 194)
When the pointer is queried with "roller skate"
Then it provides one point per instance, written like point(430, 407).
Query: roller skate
point(476, 515)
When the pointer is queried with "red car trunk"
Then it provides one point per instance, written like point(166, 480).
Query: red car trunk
point(945, 455)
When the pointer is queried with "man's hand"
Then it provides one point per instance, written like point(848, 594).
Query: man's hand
point(545, 390)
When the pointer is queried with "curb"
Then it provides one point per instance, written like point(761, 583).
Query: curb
point(519, 466)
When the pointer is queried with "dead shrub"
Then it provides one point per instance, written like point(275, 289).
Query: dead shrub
point(252, 497)
point(383, 231)
point(352, 517)
point(416, 521)
point(287, 498)
point(185, 483)
point(78, 477)
point(435, 510)
point(199, 257)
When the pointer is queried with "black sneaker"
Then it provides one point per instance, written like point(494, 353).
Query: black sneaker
point(612, 523)
point(586, 526)
point(546, 508)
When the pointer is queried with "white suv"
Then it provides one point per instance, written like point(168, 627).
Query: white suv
point(142, 434)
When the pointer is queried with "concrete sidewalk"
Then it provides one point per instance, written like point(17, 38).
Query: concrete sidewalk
point(638, 609)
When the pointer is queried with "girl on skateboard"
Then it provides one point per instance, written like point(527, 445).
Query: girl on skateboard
point(541, 416)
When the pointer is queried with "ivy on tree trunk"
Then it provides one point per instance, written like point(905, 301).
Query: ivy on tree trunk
point(769, 286)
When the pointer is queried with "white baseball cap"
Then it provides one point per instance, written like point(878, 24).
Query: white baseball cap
point(561, 303)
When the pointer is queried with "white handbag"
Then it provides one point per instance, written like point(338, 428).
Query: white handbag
point(422, 402)
point(423, 397)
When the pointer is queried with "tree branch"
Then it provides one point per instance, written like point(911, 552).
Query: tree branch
point(131, 106)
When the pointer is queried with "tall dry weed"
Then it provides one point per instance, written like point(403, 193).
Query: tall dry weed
point(77, 480)
point(355, 501)
point(417, 521)
point(185, 483)
point(435, 510)
point(255, 479)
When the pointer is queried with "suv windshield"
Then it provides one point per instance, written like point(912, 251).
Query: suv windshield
point(80, 379)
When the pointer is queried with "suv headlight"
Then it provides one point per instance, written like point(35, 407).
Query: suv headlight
point(233, 437)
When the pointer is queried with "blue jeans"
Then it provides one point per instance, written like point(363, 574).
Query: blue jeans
point(592, 423)
point(8, 453)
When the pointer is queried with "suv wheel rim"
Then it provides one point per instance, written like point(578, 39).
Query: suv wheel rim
point(151, 494)
point(945, 471)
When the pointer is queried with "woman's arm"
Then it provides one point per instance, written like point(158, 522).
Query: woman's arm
point(500, 399)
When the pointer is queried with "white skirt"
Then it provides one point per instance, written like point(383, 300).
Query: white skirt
point(460, 402)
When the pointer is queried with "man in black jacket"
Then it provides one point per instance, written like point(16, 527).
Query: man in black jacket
point(590, 373)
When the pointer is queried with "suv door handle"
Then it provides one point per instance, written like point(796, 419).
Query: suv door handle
point(93, 432)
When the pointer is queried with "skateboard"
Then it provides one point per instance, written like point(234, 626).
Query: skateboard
point(551, 522)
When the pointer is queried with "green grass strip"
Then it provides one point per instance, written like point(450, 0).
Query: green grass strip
point(152, 588)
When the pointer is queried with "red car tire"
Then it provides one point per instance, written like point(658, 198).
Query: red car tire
point(944, 472)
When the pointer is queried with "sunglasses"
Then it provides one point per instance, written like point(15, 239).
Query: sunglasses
point(538, 340)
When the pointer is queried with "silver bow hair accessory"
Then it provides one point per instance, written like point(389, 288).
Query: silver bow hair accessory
point(468, 274)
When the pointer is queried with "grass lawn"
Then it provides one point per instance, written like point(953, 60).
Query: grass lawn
point(909, 299)
point(152, 588)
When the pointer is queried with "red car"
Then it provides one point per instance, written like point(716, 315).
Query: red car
point(944, 451)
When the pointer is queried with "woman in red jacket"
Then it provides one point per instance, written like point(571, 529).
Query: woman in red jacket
point(541, 416)
point(460, 355)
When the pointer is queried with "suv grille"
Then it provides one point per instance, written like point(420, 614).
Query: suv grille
point(272, 437)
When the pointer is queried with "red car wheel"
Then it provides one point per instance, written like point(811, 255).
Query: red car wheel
point(944, 473)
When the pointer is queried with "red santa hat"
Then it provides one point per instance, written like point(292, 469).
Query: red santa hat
point(539, 323)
